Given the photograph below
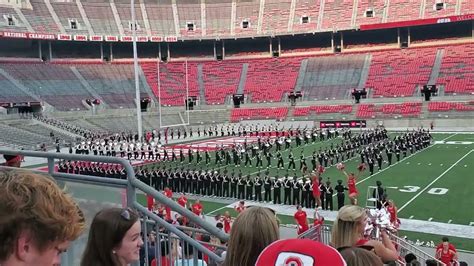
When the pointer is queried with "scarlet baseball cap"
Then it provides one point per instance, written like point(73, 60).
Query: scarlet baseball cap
point(299, 252)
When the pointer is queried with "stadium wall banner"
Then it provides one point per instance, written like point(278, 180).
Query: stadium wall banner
point(156, 39)
point(418, 22)
point(64, 37)
point(111, 38)
point(171, 39)
point(340, 123)
point(81, 38)
point(130, 38)
point(26, 35)
point(96, 38)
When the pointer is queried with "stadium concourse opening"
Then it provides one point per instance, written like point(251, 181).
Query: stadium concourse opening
point(193, 115)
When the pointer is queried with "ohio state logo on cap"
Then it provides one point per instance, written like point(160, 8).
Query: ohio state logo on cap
point(294, 259)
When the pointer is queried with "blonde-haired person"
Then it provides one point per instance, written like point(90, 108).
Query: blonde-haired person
point(355, 256)
point(252, 231)
point(37, 219)
point(348, 231)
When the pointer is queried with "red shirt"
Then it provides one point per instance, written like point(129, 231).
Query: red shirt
point(169, 193)
point(316, 191)
point(197, 208)
point(351, 183)
point(446, 257)
point(182, 201)
point(149, 202)
point(300, 217)
point(393, 214)
point(318, 222)
point(164, 261)
point(227, 221)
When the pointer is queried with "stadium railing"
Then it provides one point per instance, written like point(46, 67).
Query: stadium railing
point(131, 185)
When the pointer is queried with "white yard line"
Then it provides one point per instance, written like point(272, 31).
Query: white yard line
point(390, 166)
point(216, 210)
point(436, 179)
point(449, 137)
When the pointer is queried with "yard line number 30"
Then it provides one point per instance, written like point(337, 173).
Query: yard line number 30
point(433, 191)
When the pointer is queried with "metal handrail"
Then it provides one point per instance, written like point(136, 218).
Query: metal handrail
point(130, 184)
point(404, 246)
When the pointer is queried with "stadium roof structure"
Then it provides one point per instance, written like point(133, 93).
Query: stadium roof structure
point(171, 21)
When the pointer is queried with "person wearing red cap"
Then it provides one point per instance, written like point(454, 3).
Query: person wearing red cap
point(301, 219)
point(298, 252)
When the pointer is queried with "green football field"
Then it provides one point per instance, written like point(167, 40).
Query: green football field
point(424, 185)
point(435, 184)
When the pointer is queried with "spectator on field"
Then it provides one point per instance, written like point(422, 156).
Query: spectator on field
point(188, 259)
point(357, 256)
point(253, 230)
point(37, 219)
point(348, 231)
point(446, 252)
point(114, 238)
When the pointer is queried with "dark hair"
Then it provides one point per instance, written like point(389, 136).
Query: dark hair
point(106, 232)
point(164, 248)
point(219, 225)
point(445, 239)
point(410, 257)
point(188, 249)
point(431, 263)
point(206, 238)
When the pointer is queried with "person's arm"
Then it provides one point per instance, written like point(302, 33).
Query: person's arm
point(345, 173)
point(384, 249)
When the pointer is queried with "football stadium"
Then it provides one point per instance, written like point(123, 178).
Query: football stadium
point(237, 132)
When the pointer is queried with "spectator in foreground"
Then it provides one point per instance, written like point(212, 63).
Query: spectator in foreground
point(37, 219)
point(348, 231)
point(356, 256)
point(114, 238)
point(252, 231)
point(300, 252)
